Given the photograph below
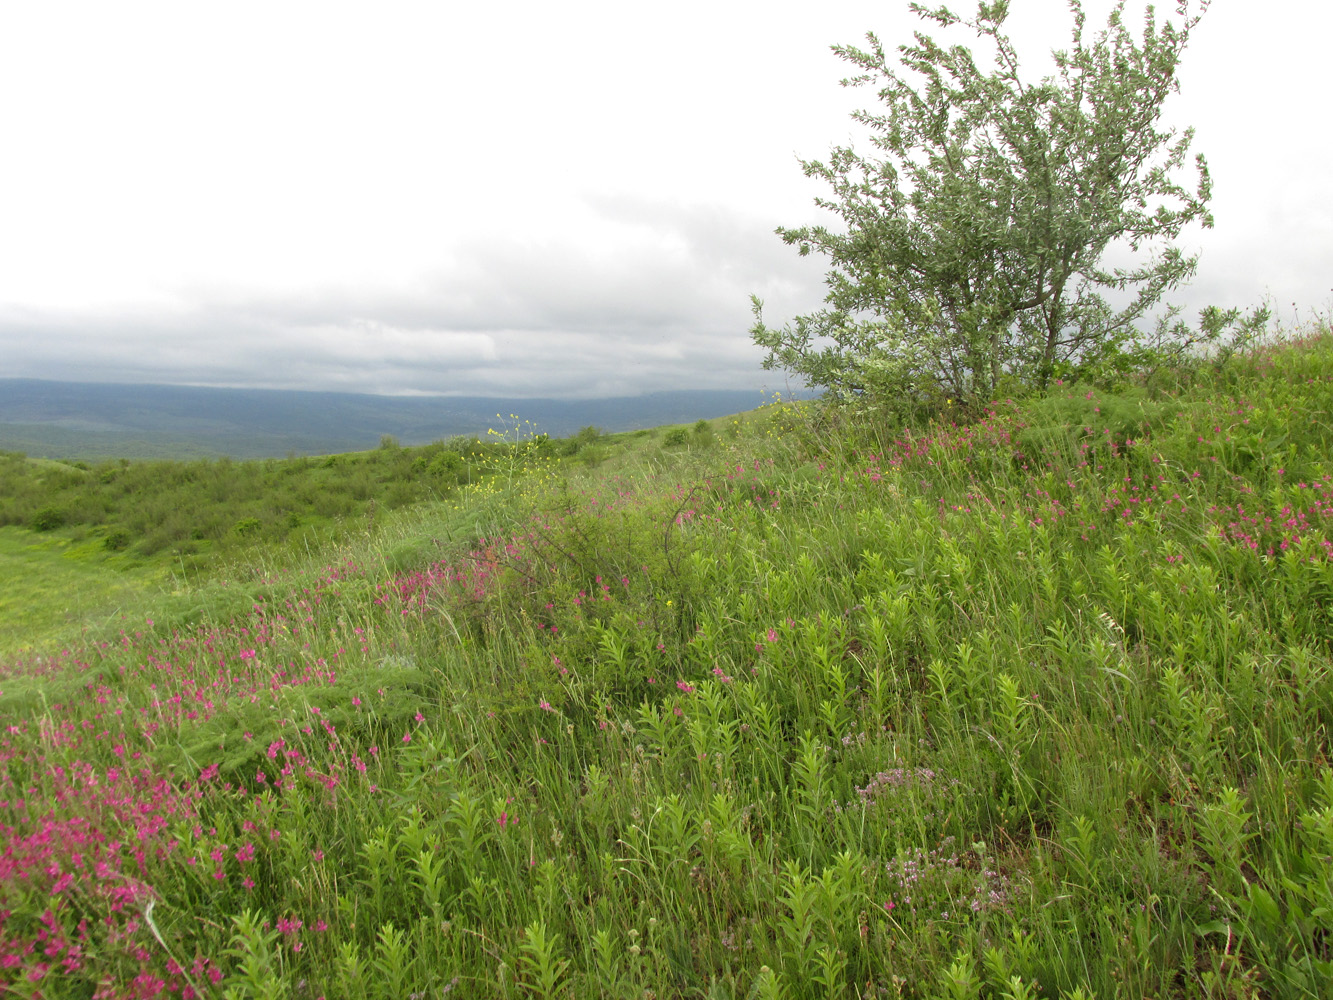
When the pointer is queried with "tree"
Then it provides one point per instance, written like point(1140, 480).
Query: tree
point(975, 235)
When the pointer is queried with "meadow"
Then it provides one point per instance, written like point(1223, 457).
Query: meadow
point(93, 532)
point(1033, 702)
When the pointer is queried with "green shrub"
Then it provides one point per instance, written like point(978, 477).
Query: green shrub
point(447, 464)
point(47, 519)
point(247, 526)
point(593, 456)
point(675, 438)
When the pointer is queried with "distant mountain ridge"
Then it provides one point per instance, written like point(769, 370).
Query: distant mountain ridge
point(49, 419)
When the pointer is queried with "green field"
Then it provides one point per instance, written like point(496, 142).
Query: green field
point(802, 704)
point(52, 589)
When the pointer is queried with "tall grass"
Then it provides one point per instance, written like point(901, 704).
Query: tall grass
point(1035, 705)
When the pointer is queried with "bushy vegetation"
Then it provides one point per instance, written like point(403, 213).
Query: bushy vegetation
point(205, 508)
point(972, 243)
point(1032, 705)
point(72, 530)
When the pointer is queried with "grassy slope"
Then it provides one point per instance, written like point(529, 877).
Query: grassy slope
point(51, 587)
point(1035, 706)
point(131, 528)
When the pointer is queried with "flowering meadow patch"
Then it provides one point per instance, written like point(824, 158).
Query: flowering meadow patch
point(926, 712)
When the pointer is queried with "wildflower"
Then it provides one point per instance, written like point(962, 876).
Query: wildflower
point(545, 706)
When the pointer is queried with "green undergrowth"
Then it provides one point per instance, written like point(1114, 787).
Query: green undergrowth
point(804, 705)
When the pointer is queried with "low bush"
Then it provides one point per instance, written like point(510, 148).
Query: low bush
point(48, 519)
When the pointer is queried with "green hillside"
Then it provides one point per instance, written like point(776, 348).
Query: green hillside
point(799, 704)
point(85, 529)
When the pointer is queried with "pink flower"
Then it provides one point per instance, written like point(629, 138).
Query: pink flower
point(545, 706)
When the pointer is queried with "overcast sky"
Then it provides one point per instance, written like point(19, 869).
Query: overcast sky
point(541, 199)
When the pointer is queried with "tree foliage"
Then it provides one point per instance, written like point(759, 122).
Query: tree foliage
point(975, 237)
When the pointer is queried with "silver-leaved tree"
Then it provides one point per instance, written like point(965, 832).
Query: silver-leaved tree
point(974, 239)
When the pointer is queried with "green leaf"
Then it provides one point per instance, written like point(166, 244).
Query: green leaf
point(1263, 905)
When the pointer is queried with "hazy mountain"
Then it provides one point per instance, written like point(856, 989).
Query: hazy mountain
point(91, 420)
